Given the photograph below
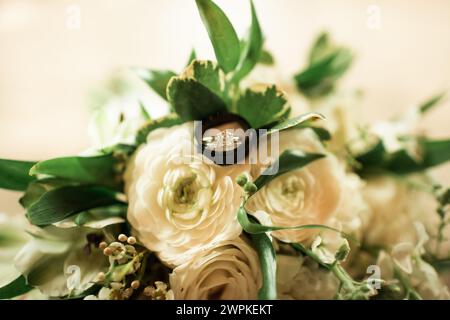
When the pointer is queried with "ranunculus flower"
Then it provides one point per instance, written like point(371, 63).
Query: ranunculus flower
point(228, 271)
point(180, 202)
point(310, 195)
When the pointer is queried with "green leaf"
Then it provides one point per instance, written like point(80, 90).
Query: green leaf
point(289, 160)
point(303, 120)
point(252, 49)
point(432, 102)
point(192, 57)
point(156, 79)
point(327, 62)
point(267, 260)
point(221, 33)
point(14, 175)
point(198, 92)
point(433, 153)
point(263, 106)
point(37, 188)
point(257, 228)
point(165, 122)
point(320, 77)
point(15, 288)
point(322, 46)
point(208, 74)
point(58, 204)
point(266, 58)
point(88, 170)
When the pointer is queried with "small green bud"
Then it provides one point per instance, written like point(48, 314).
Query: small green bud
point(241, 180)
point(250, 187)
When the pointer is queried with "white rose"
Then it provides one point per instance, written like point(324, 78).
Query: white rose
point(178, 201)
point(228, 271)
point(310, 195)
point(300, 278)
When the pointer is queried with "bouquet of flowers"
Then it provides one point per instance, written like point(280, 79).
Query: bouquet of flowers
point(243, 190)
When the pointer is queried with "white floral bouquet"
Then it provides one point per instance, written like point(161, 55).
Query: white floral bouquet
point(235, 193)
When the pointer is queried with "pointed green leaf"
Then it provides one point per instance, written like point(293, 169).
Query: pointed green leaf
point(262, 106)
point(58, 204)
point(156, 79)
point(89, 170)
point(289, 160)
point(304, 120)
point(15, 288)
point(252, 49)
point(14, 175)
point(165, 122)
point(37, 188)
point(221, 33)
point(433, 101)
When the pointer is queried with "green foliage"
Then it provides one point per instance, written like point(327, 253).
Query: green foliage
point(252, 48)
point(378, 159)
point(263, 107)
point(197, 93)
point(61, 203)
point(221, 33)
point(14, 175)
point(88, 170)
point(16, 288)
point(327, 63)
point(289, 160)
point(165, 122)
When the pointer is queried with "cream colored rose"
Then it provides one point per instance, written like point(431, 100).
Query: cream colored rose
point(300, 278)
point(310, 195)
point(228, 271)
point(178, 201)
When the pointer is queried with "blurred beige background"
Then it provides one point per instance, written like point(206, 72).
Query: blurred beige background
point(49, 62)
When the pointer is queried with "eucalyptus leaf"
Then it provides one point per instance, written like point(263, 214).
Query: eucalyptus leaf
point(156, 79)
point(61, 203)
point(221, 33)
point(252, 48)
point(14, 175)
point(165, 122)
point(289, 160)
point(262, 106)
point(16, 288)
point(89, 170)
